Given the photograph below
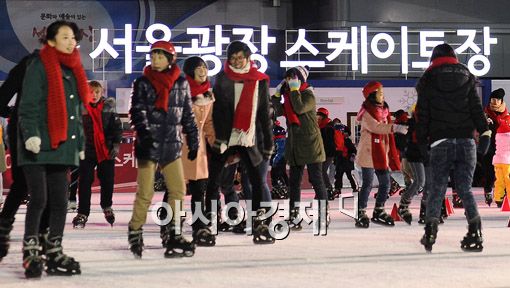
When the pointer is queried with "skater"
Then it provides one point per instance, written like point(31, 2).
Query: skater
point(195, 171)
point(51, 138)
point(448, 111)
point(329, 143)
point(415, 161)
point(402, 118)
point(279, 178)
point(345, 164)
point(498, 117)
point(304, 142)
point(377, 153)
point(103, 133)
point(240, 116)
point(160, 108)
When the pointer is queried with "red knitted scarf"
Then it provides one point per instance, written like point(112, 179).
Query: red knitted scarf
point(381, 113)
point(196, 88)
point(287, 106)
point(52, 59)
point(442, 61)
point(244, 109)
point(163, 82)
point(97, 123)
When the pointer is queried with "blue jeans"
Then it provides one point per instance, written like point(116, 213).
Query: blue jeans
point(383, 176)
point(245, 181)
point(418, 171)
point(458, 154)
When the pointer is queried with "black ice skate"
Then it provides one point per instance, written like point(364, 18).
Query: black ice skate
point(363, 221)
point(456, 201)
point(379, 216)
point(177, 245)
point(135, 240)
point(488, 198)
point(239, 228)
point(109, 215)
point(203, 237)
point(403, 211)
point(32, 261)
point(261, 234)
point(294, 220)
point(331, 193)
point(473, 240)
point(395, 187)
point(5, 231)
point(58, 263)
point(421, 217)
point(429, 238)
point(79, 221)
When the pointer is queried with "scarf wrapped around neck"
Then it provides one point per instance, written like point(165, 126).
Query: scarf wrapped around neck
point(244, 109)
point(442, 61)
point(196, 88)
point(96, 113)
point(163, 82)
point(288, 110)
point(52, 59)
point(381, 113)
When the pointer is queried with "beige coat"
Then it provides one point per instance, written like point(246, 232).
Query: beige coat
point(368, 126)
point(198, 168)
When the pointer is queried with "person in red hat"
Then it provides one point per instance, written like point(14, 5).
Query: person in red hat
point(377, 153)
point(160, 109)
point(328, 141)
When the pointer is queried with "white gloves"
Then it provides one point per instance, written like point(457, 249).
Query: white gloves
point(81, 154)
point(402, 129)
point(33, 144)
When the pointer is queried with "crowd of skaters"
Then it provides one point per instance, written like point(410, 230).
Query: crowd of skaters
point(197, 135)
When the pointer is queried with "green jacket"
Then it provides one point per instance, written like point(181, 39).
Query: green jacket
point(33, 119)
point(304, 142)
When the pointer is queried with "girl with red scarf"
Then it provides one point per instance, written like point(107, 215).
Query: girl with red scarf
point(54, 88)
point(377, 153)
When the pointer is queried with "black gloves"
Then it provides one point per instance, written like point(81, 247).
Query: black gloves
point(192, 154)
point(484, 142)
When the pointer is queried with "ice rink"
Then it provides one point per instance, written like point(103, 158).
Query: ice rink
point(346, 257)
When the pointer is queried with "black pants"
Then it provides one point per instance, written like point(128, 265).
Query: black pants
point(325, 166)
point(489, 174)
point(46, 184)
point(105, 173)
point(216, 163)
point(73, 186)
point(279, 173)
point(342, 166)
point(315, 178)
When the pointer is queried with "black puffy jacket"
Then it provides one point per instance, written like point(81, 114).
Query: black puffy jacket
point(448, 104)
point(162, 128)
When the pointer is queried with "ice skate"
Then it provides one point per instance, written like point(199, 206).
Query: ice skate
point(58, 263)
point(5, 231)
point(294, 220)
point(429, 238)
point(488, 198)
point(80, 221)
point(177, 245)
point(403, 211)
point(363, 221)
point(379, 216)
point(203, 237)
point(261, 233)
point(473, 240)
point(135, 239)
point(109, 215)
point(32, 261)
